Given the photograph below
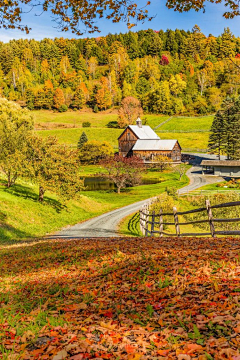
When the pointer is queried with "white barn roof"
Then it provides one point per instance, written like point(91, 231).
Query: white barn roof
point(144, 132)
point(152, 145)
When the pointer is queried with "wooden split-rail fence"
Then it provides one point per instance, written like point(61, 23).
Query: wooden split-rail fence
point(152, 223)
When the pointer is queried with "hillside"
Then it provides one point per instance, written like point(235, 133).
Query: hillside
point(134, 299)
point(171, 72)
point(23, 217)
point(191, 132)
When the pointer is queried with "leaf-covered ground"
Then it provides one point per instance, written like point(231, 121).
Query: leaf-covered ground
point(121, 299)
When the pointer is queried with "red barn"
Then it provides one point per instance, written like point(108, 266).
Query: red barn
point(142, 141)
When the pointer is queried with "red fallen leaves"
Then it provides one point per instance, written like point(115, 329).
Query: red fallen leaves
point(130, 299)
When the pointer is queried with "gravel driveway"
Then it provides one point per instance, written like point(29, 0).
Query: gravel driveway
point(106, 225)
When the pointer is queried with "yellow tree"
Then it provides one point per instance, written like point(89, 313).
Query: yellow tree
point(103, 95)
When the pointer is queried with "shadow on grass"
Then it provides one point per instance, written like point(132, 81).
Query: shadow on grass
point(8, 233)
point(27, 193)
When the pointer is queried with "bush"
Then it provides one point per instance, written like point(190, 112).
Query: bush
point(63, 108)
point(113, 125)
point(95, 109)
point(171, 191)
point(30, 106)
point(86, 124)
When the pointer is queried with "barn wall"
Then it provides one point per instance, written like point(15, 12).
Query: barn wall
point(176, 152)
point(149, 155)
point(126, 141)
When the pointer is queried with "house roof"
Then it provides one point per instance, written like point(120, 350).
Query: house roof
point(220, 163)
point(144, 132)
point(157, 144)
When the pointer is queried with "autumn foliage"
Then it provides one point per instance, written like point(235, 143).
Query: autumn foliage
point(142, 299)
point(123, 171)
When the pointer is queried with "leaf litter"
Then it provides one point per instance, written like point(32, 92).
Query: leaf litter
point(121, 299)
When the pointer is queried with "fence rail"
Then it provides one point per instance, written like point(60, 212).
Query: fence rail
point(149, 222)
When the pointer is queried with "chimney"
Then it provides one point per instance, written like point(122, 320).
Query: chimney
point(139, 122)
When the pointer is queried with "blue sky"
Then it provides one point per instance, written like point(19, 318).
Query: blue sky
point(210, 22)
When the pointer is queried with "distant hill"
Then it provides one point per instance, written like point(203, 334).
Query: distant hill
point(172, 72)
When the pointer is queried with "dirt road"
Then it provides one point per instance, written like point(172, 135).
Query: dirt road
point(106, 225)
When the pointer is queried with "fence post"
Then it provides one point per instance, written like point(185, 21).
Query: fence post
point(176, 221)
point(152, 224)
point(141, 219)
point(210, 218)
point(161, 223)
point(147, 221)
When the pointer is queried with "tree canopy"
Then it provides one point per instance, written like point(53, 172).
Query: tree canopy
point(74, 15)
point(15, 127)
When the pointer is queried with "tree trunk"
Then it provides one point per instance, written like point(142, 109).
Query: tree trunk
point(118, 190)
point(41, 194)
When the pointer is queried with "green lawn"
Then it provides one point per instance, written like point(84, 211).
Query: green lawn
point(188, 124)
point(71, 136)
point(188, 141)
point(22, 216)
point(100, 119)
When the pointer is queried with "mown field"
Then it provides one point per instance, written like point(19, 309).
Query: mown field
point(22, 216)
point(192, 132)
point(130, 299)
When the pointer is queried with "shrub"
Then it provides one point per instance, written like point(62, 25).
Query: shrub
point(63, 108)
point(113, 125)
point(95, 109)
point(86, 124)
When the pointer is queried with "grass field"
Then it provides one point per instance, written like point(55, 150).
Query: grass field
point(192, 133)
point(188, 124)
point(22, 216)
point(120, 299)
point(71, 136)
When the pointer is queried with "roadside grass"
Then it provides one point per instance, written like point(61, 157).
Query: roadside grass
point(131, 298)
point(22, 216)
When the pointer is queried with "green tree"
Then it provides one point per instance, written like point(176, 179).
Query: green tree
point(224, 135)
point(216, 142)
point(53, 167)
point(15, 127)
point(78, 98)
point(82, 140)
point(93, 151)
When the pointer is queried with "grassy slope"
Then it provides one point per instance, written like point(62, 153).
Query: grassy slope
point(192, 133)
point(22, 216)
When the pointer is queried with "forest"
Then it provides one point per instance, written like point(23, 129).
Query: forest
point(171, 72)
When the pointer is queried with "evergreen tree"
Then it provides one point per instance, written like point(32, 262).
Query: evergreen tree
point(216, 142)
point(78, 98)
point(82, 140)
point(224, 135)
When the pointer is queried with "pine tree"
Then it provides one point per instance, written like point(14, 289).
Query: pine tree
point(78, 98)
point(233, 129)
point(82, 140)
point(217, 137)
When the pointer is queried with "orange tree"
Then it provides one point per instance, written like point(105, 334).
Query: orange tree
point(123, 171)
point(53, 167)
